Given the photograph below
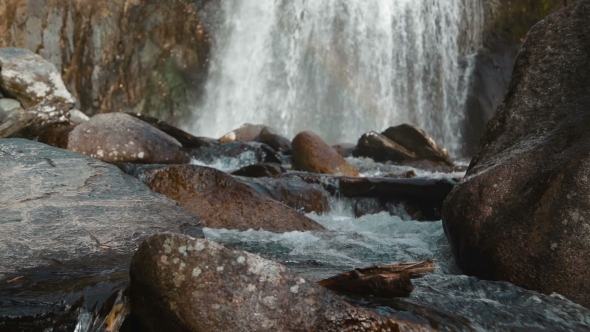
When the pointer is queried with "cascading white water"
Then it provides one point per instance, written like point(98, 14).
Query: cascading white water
point(341, 67)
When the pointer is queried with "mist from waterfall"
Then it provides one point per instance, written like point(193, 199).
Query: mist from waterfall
point(341, 67)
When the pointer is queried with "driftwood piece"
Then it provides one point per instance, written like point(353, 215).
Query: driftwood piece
point(380, 281)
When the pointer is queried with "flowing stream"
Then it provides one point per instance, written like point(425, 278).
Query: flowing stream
point(341, 67)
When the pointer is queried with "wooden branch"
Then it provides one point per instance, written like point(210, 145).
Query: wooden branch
point(380, 281)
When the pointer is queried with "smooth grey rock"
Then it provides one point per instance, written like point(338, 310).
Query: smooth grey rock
point(31, 79)
point(76, 116)
point(119, 137)
point(10, 105)
point(57, 206)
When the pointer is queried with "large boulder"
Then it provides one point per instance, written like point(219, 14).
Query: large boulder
point(222, 201)
point(69, 222)
point(522, 212)
point(380, 148)
point(119, 137)
point(247, 132)
point(419, 142)
point(274, 140)
point(183, 284)
point(312, 154)
point(146, 56)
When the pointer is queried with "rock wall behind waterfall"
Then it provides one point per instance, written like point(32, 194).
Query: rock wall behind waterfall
point(506, 25)
point(145, 55)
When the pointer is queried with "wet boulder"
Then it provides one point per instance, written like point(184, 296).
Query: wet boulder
point(245, 152)
point(247, 132)
point(69, 225)
point(187, 140)
point(223, 202)
point(274, 140)
point(293, 192)
point(345, 149)
point(380, 148)
point(419, 142)
point(31, 79)
point(119, 137)
point(311, 154)
point(183, 284)
point(271, 170)
point(521, 213)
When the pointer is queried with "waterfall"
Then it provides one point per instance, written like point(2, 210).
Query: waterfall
point(341, 67)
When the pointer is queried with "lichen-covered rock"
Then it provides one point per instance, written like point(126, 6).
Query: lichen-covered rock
point(183, 284)
point(417, 141)
point(31, 79)
point(119, 137)
point(380, 148)
point(222, 201)
point(521, 213)
point(312, 154)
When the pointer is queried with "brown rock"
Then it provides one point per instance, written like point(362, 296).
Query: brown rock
point(417, 140)
point(223, 202)
point(187, 140)
point(380, 149)
point(261, 170)
point(345, 149)
point(275, 141)
point(521, 213)
point(56, 135)
point(247, 132)
point(183, 284)
point(312, 154)
point(293, 192)
point(119, 137)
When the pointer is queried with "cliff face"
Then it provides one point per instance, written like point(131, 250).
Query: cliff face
point(506, 25)
point(147, 56)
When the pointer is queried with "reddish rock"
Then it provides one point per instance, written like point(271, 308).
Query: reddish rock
point(418, 142)
point(312, 154)
point(119, 137)
point(223, 202)
point(271, 170)
point(274, 140)
point(380, 148)
point(247, 132)
point(56, 135)
point(184, 284)
point(345, 149)
point(521, 213)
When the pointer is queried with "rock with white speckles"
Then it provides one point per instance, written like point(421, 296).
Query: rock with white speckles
point(119, 137)
point(31, 79)
point(184, 284)
point(522, 212)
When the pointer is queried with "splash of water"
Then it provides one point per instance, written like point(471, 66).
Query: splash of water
point(342, 67)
